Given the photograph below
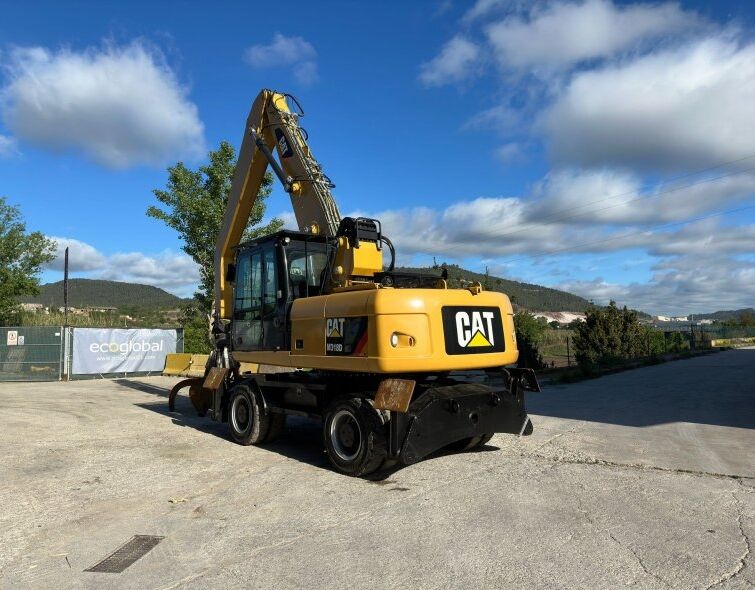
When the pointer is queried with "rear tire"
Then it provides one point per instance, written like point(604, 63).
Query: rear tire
point(246, 421)
point(474, 442)
point(485, 439)
point(355, 437)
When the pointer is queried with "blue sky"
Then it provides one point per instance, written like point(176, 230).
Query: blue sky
point(607, 148)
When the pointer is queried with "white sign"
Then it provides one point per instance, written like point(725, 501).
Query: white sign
point(99, 351)
point(12, 337)
point(21, 340)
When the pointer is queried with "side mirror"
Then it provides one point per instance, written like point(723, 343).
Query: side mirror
point(230, 273)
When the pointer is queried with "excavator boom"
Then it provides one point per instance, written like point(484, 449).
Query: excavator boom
point(272, 126)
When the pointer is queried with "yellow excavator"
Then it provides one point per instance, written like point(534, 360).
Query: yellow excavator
point(395, 365)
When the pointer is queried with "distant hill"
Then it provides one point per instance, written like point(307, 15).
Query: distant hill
point(96, 293)
point(529, 296)
point(732, 314)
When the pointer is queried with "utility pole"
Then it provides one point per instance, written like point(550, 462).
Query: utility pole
point(65, 288)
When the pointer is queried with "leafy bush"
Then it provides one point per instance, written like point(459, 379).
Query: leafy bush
point(611, 335)
point(196, 331)
point(529, 334)
point(676, 342)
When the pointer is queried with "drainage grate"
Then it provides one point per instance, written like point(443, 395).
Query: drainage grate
point(126, 555)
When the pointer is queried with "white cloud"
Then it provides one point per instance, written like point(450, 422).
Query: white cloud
point(443, 7)
point(168, 270)
point(81, 256)
point(621, 95)
point(697, 267)
point(456, 61)
point(560, 34)
point(500, 118)
point(121, 106)
point(7, 146)
point(681, 108)
point(612, 197)
point(692, 284)
point(509, 152)
point(483, 8)
point(174, 272)
point(286, 51)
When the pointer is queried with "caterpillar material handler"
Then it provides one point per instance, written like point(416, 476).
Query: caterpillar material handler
point(395, 365)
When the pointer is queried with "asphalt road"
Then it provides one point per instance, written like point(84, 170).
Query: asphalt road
point(642, 479)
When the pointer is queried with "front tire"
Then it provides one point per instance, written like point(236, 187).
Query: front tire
point(247, 423)
point(355, 437)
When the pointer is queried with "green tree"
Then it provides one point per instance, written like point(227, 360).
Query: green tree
point(21, 258)
point(610, 335)
point(746, 319)
point(529, 334)
point(194, 204)
point(196, 328)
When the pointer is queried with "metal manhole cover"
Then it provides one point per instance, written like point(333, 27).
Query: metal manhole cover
point(126, 554)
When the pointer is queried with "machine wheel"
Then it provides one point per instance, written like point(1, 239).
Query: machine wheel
point(464, 444)
point(355, 437)
point(246, 422)
point(277, 424)
point(473, 442)
point(485, 439)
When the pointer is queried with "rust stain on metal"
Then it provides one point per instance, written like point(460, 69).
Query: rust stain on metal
point(394, 395)
point(214, 378)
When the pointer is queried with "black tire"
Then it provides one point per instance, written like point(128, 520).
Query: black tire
point(485, 439)
point(246, 421)
point(474, 442)
point(464, 444)
point(355, 437)
point(275, 429)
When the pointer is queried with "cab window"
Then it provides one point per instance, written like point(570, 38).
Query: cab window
point(305, 272)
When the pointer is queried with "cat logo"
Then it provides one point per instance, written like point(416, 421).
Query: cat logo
point(346, 336)
point(334, 328)
point(283, 146)
point(473, 330)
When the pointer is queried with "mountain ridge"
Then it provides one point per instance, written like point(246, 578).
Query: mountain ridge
point(527, 295)
point(102, 293)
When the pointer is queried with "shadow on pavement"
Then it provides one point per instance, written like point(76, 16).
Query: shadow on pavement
point(301, 439)
point(719, 390)
point(145, 387)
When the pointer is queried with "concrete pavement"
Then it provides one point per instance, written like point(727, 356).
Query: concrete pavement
point(642, 479)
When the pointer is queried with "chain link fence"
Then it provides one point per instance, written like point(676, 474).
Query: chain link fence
point(45, 353)
point(31, 353)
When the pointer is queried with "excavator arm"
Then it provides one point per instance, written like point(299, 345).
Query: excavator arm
point(272, 126)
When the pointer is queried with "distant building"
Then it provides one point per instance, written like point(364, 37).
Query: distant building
point(35, 308)
point(73, 311)
point(562, 317)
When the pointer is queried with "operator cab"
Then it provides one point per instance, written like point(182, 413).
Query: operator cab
point(269, 274)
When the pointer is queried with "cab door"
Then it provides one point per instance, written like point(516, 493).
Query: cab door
point(247, 302)
point(274, 308)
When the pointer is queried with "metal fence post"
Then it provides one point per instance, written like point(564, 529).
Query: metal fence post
point(67, 353)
